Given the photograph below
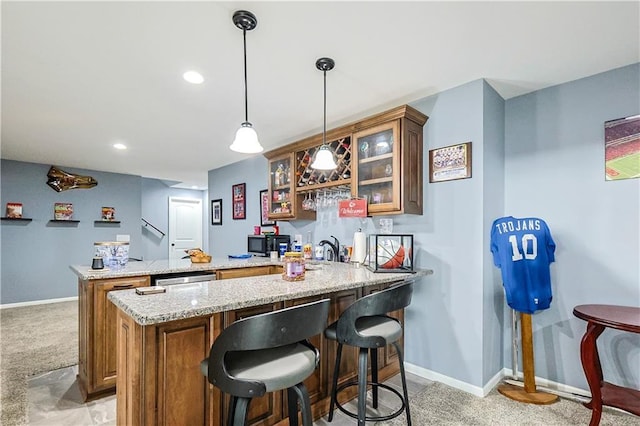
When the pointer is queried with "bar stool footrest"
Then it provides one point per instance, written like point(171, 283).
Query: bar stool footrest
point(371, 418)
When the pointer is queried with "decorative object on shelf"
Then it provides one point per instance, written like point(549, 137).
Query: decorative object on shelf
point(63, 211)
point(216, 212)
point(239, 204)
point(450, 163)
point(14, 210)
point(60, 180)
point(246, 140)
point(264, 209)
point(622, 148)
point(324, 158)
point(390, 253)
point(108, 214)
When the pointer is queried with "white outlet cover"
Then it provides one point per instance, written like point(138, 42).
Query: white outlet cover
point(123, 238)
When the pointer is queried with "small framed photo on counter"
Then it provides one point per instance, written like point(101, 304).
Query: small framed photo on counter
point(216, 212)
point(239, 205)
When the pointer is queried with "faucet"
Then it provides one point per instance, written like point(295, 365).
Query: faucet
point(333, 247)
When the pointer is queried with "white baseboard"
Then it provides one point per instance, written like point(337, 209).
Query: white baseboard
point(37, 302)
point(497, 378)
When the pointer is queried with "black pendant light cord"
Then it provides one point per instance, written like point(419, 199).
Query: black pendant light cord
point(324, 132)
point(246, 102)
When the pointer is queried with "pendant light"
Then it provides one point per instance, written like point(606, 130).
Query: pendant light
point(246, 140)
point(324, 157)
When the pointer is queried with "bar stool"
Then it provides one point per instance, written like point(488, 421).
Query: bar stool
point(366, 325)
point(266, 353)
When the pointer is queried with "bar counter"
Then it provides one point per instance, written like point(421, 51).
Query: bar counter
point(163, 337)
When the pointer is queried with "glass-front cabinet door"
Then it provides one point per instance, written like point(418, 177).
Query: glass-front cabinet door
point(281, 187)
point(377, 175)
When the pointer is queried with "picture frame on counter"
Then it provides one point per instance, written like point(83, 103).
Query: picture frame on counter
point(216, 212)
point(239, 204)
point(264, 209)
point(450, 163)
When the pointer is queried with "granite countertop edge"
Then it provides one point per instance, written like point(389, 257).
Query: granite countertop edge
point(166, 266)
point(184, 301)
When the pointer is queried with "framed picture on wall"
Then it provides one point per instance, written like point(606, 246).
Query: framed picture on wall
point(264, 209)
point(239, 203)
point(622, 148)
point(450, 162)
point(216, 212)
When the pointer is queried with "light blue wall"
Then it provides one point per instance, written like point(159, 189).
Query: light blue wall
point(35, 256)
point(445, 328)
point(231, 237)
point(492, 160)
point(554, 169)
point(155, 209)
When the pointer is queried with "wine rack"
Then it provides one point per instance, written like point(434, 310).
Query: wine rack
point(309, 179)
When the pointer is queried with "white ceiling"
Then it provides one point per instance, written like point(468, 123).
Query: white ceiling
point(79, 76)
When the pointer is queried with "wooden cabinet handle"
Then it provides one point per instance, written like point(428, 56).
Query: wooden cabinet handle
point(123, 286)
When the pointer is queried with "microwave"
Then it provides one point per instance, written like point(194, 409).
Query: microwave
point(262, 245)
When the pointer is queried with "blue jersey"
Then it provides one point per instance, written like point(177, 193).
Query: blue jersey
point(523, 250)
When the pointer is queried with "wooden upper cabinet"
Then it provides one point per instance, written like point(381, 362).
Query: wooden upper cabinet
point(379, 157)
point(284, 202)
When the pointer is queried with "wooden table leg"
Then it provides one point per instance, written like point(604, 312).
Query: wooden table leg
point(592, 369)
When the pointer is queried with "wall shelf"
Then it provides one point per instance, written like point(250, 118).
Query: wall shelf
point(106, 222)
point(63, 221)
point(16, 219)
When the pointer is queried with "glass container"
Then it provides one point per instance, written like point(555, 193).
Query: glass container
point(294, 269)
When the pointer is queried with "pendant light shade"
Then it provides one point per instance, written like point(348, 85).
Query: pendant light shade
point(246, 140)
point(324, 157)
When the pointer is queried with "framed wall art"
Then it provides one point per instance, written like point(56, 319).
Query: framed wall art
point(216, 212)
point(450, 163)
point(264, 209)
point(239, 205)
point(622, 148)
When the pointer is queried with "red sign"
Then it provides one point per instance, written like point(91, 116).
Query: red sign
point(352, 208)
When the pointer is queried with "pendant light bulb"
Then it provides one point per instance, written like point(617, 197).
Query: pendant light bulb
point(324, 157)
point(246, 140)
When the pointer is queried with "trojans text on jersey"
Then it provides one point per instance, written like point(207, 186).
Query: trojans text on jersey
point(518, 225)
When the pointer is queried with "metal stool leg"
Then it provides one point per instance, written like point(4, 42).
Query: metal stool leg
point(292, 405)
point(241, 411)
point(374, 376)
point(299, 393)
point(404, 381)
point(362, 386)
point(334, 385)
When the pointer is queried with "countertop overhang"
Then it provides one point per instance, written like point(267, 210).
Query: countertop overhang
point(183, 301)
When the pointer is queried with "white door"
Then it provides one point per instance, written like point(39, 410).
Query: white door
point(185, 226)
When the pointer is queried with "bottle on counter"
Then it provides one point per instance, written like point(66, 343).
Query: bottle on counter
point(294, 268)
point(307, 249)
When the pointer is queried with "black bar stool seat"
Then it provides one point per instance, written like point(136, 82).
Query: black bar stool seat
point(266, 353)
point(366, 325)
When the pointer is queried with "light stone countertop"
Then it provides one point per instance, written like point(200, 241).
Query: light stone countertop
point(165, 266)
point(205, 298)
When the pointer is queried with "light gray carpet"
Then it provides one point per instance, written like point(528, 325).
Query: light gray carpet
point(439, 404)
point(33, 340)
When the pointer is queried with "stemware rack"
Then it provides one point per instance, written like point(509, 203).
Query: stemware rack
point(309, 179)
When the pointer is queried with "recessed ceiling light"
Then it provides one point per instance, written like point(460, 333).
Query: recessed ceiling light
point(119, 146)
point(193, 77)
point(194, 186)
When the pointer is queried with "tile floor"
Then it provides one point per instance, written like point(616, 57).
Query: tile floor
point(54, 400)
